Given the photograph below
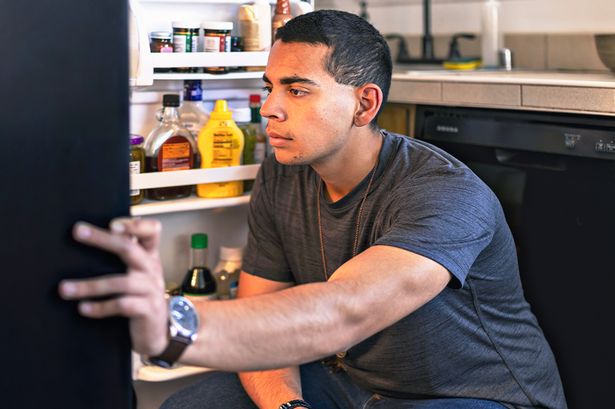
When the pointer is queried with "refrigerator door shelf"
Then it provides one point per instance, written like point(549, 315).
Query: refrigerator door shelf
point(234, 59)
point(148, 208)
point(193, 177)
point(178, 76)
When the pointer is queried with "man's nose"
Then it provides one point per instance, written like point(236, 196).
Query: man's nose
point(272, 108)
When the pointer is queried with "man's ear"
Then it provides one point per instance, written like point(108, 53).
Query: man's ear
point(370, 99)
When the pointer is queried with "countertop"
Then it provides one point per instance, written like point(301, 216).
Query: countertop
point(564, 91)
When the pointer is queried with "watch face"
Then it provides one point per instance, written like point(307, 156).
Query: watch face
point(184, 316)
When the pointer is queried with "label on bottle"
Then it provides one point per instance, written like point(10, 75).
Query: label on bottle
point(214, 43)
point(175, 156)
point(223, 146)
point(135, 169)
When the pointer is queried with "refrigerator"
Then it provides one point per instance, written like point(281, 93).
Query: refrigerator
point(63, 138)
point(77, 79)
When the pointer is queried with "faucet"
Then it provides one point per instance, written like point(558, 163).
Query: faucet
point(403, 57)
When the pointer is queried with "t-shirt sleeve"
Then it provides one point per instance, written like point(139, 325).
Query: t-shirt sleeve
point(448, 218)
point(264, 255)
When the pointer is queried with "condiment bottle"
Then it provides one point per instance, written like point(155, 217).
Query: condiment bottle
point(281, 16)
point(192, 113)
point(227, 272)
point(242, 117)
point(136, 166)
point(220, 144)
point(185, 39)
point(170, 147)
point(198, 283)
point(260, 148)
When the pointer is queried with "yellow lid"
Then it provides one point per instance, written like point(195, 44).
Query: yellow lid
point(221, 110)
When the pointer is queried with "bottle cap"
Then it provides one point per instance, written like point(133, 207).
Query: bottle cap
point(217, 25)
point(136, 139)
point(199, 241)
point(221, 110)
point(231, 253)
point(186, 24)
point(161, 35)
point(170, 100)
point(242, 115)
point(255, 98)
point(193, 90)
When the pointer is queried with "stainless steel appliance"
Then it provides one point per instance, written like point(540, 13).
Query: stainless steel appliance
point(555, 177)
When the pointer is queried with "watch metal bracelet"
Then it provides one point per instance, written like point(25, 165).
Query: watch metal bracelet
point(296, 403)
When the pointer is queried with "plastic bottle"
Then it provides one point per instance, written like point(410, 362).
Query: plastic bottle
point(242, 117)
point(199, 284)
point(227, 272)
point(220, 144)
point(170, 147)
point(262, 13)
point(192, 113)
point(490, 33)
point(280, 17)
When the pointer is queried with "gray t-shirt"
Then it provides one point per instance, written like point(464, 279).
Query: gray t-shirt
point(478, 337)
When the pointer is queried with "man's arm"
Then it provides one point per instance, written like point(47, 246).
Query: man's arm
point(300, 324)
point(268, 389)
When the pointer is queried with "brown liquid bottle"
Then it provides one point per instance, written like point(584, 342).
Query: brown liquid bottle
point(170, 147)
point(281, 17)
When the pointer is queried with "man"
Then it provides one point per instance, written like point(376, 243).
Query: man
point(382, 256)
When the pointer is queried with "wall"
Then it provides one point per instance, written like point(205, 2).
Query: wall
point(517, 16)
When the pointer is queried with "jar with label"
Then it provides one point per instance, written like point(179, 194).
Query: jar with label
point(161, 42)
point(216, 39)
point(227, 272)
point(136, 166)
point(185, 40)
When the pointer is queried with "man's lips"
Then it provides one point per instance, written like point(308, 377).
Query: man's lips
point(277, 140)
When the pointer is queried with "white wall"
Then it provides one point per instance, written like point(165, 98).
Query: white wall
point(516, 16)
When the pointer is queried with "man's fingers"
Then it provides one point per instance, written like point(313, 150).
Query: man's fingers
point(147, 231)
point(122, 245)
point(103, 286)
point(126, 306)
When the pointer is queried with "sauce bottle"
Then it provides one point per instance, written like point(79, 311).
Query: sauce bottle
point(220, 144)
point(281, 16)
point(227, 272)
point(199, 284)
point(170, 147)
point(136, 166)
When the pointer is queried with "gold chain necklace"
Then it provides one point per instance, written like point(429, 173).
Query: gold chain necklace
point(355, 245)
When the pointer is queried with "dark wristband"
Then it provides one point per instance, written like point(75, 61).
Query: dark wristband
point(296, 403)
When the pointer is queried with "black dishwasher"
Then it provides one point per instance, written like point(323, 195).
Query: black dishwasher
point(555, 177)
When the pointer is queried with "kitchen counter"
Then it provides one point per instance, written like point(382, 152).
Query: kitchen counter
point(561, 91)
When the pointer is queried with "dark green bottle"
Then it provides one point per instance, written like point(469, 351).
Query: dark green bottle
point(199, 282)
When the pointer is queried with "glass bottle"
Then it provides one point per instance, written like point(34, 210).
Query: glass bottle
point(136, 166)
point(280, 17)
point(192, 113)
point(198, 283)
point(170, 147)
point(242, 117)
point(260, 148)
point(227, 272)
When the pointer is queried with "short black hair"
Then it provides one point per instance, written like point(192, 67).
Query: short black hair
point(359, 54)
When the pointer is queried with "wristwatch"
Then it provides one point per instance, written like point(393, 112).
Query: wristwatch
point(183, 330)
point(296, 403)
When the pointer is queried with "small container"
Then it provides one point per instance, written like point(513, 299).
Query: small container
point(216, 39)
point(185, 39)
point(226, 272)
point(161, 42)
point(136, 166)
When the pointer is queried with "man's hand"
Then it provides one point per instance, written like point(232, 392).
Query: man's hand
point(138, 294)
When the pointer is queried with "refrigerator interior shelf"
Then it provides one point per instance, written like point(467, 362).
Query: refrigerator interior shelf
point(187, 204)
point(174, 76)
point(193, 177)
point(233, 59)
point(200, 1)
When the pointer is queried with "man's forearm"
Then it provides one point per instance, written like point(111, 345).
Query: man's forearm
point(269, 389)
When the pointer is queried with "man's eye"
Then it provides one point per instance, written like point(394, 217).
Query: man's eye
point(267, 89)
point(297, 92)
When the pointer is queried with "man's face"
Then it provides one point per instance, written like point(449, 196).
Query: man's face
point(310, 115)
